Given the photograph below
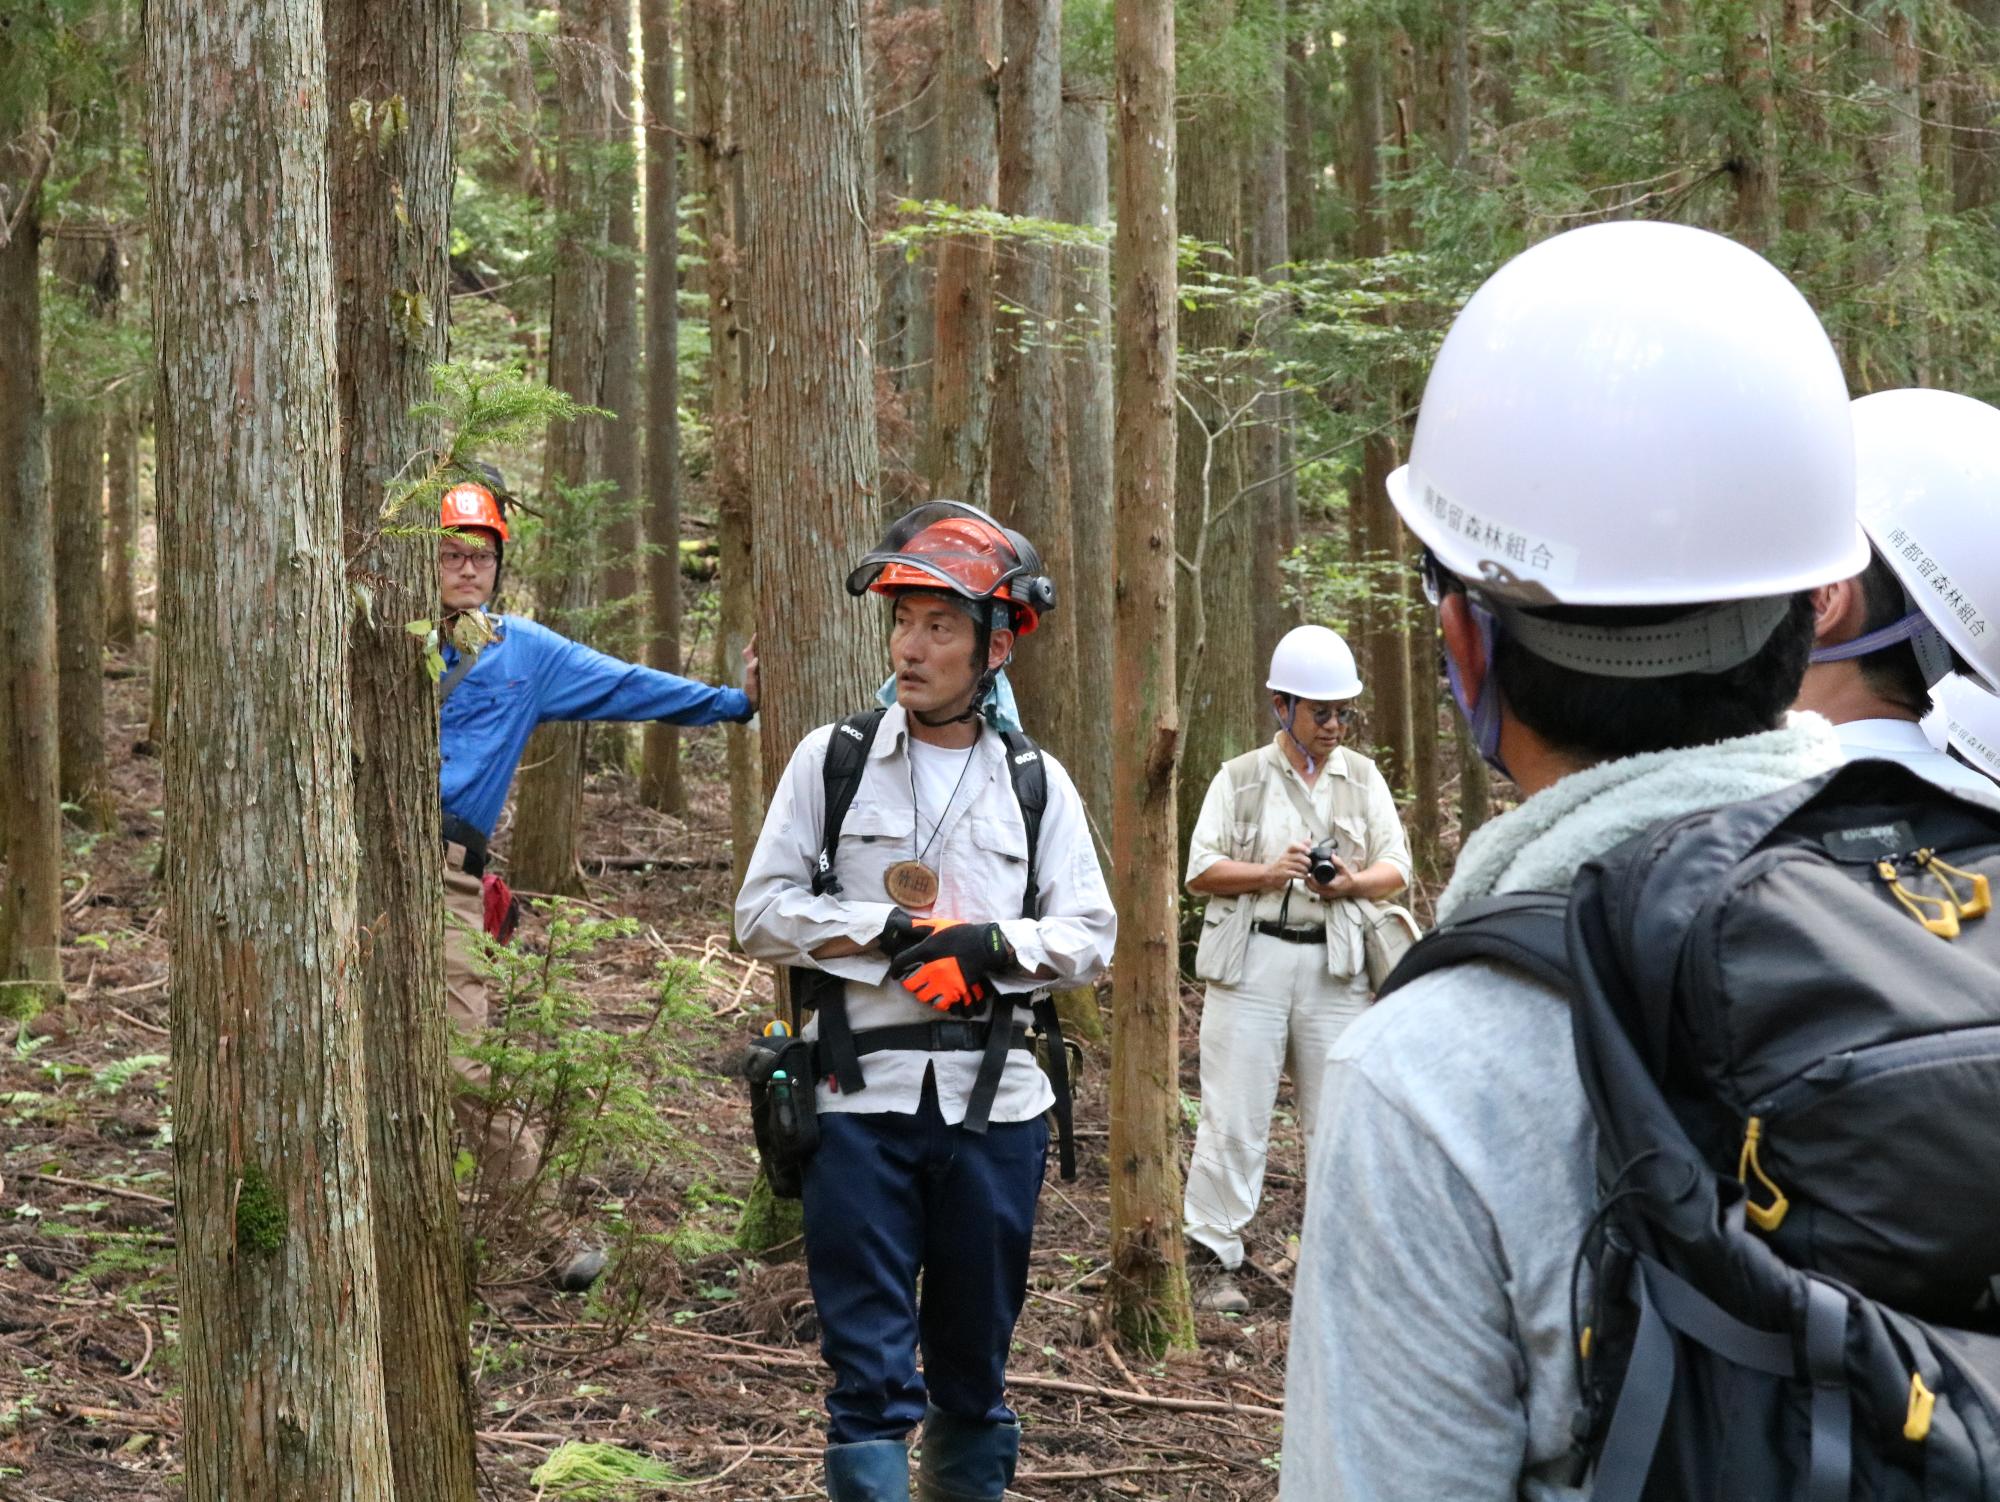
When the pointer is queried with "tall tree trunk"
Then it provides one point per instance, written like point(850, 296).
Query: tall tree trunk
point(1030, 449)
point(1086, 284)
point(621, 356)
point(891, 93)
point(396, 61)
point(1972, 113)
point(1219, 684)
point(121, 530)
point(86, 265)
point(31, 912)
point(1886, 38)
point(660, 767)
point(711, 100)
point(1384, 644)
point(1754, 140)
point(280, 1326)
point(1267, 235)
point(1805, 120)
point(959, 444)
point(926, 159)
point(1148, 1288)
point(810, 306)
point(550, 802)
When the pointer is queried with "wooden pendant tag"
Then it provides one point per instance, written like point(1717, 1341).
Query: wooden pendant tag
point(911, 884)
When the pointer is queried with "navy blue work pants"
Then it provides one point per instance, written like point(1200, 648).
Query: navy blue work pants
point(888, 1196)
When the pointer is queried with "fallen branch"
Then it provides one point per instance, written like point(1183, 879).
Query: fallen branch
point(130, 1194)
point(1140, 1399)
point(151, 1027)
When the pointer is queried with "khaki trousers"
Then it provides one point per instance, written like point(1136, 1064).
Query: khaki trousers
point(507, 1147)
point(1282, 1017)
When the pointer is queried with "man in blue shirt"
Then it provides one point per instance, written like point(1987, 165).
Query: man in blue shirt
point(492, 702)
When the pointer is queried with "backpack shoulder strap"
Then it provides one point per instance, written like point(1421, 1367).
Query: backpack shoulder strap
point(1524, 929)
point(846, 757)
point(1031, 790)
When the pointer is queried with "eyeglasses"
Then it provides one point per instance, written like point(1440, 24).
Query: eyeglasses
point(451, 560)
point(1325, 714)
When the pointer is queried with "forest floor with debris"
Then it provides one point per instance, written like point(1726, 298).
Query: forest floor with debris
point(704, 1358)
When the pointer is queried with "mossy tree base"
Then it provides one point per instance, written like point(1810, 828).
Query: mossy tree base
point(767, 1220)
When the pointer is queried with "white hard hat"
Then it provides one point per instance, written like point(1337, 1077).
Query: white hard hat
point(1635, 414)
point(1968, 718)
point(1311, 662)
point(1927, 483)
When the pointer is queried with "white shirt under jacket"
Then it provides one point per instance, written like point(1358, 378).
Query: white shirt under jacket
point(1904, 741)
point(981, 857)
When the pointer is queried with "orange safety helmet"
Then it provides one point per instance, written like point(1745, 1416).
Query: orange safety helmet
point(952, 546)
point(471, 505)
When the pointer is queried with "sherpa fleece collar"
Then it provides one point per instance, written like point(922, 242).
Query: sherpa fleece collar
point(1542, 843)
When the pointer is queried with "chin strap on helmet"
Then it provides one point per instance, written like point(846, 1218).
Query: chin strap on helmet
point(1285, 722)
point(997, 616)
point(1932, 652)
point(1483, 716)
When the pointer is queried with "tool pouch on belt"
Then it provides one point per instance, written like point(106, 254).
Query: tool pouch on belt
point(780, 1072)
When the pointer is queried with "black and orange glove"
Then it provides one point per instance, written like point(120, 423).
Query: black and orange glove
point(951, 967)
point(901, 931)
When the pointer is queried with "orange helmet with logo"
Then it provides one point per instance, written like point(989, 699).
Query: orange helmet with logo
point(472, 505)
point(948, 545)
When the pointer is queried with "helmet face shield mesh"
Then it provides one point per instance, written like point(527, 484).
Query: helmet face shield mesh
point(944, 544)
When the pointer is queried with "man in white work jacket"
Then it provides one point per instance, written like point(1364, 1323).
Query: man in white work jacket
point(935, 1164)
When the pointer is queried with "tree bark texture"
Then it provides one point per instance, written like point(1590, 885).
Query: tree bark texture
point(1148, 1288)
point(892, 90)
point(277, 1271)
point(1475, 782)
point(959, 446)
point(87, 267)
point(1382, 644)
point(1267, 237)
point(549, 804)
point(1972, 114)
point(121, 527)
point(1886, 37)
point(660, 758)
point(622, 572)
point(1220, 681)
point(1030, 466)
point(31, 913)
point(711, 101)
point(1086, 284)
point(391, 194)
point(1754, 140)
point(810, 382)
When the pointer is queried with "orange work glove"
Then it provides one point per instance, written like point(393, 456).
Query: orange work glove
point(952, 966)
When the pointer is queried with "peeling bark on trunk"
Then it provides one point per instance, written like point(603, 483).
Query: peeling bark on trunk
point(1148, 1290)
point(76, 497)
point(1030, 449)
point(1216, 672)
point(621, 357)
point(549, 804)
point(392, 285)
point(277, 1270)
point(958, 449)
point(31, 912)
point(711, 103)
point(1086, 282)
point(660, 765)
point(1268, 238)
point(809, 304)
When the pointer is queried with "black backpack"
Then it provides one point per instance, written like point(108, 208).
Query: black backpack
point(839, 1052)
point(1787, 1020)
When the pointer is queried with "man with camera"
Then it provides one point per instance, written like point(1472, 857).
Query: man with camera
point(1292, 838)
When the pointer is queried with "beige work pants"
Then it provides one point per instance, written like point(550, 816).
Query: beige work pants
point(507, 1147)
point(1282, 1017)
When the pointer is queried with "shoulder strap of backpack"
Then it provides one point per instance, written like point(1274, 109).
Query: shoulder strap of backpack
point(456, 676)
point(1522, 929)
point(1031, 790)
point(846, 756)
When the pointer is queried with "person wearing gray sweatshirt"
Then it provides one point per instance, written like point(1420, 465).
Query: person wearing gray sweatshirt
point(1632, 465)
